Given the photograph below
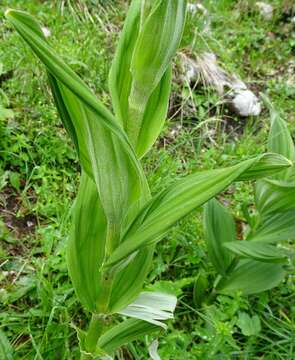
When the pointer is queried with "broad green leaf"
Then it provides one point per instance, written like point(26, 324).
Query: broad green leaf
point(257, 250)
point(6, 350)
point(251, 277)
point(250, 325)
point(124, 333)
point(153, 307)
point(164, 210)
point(131, 78)
point(275, 227)
point(219, 229)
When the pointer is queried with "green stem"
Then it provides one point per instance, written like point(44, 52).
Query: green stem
point(94, 331)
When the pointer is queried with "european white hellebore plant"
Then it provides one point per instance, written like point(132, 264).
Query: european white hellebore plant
point(258, 262)
point(116, 222)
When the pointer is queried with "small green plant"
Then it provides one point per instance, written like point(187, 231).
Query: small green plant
point(116, 223)
point(258, 262)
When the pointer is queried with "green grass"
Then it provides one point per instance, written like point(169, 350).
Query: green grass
point(38, 181)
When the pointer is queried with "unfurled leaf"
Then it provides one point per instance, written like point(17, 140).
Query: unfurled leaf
point(152, 307)
point(257, 250)
point(164, 210)
point(251, 277)
point(219, 229)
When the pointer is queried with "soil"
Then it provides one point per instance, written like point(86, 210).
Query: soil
point(10, 204)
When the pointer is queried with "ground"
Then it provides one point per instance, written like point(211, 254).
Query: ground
point(39, 175)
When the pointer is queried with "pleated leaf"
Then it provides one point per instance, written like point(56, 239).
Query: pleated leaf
point(251, 277)
point(219, 229)
point(256, 250)
point(274, 228)
point(140, 77)
point(274, 196)
point(164, 210)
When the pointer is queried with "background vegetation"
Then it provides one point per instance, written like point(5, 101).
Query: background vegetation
point(38, 179)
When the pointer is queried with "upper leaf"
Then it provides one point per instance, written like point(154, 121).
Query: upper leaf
point(140, 76)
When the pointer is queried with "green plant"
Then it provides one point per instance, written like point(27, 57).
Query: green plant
point(258, 262)
point(115, 220)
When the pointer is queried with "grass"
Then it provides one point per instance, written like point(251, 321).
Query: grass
point(38, 181)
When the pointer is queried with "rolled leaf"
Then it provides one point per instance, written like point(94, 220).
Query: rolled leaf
point(219, 229)
point(140, 76)
point(251, 277)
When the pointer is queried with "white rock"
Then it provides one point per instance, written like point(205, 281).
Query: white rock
point(266, 10)
point(245, 103)
point(232, 89)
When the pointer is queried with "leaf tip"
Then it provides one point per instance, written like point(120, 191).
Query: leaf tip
point(8, 12)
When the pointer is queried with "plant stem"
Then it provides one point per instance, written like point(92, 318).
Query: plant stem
point(94, 331)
